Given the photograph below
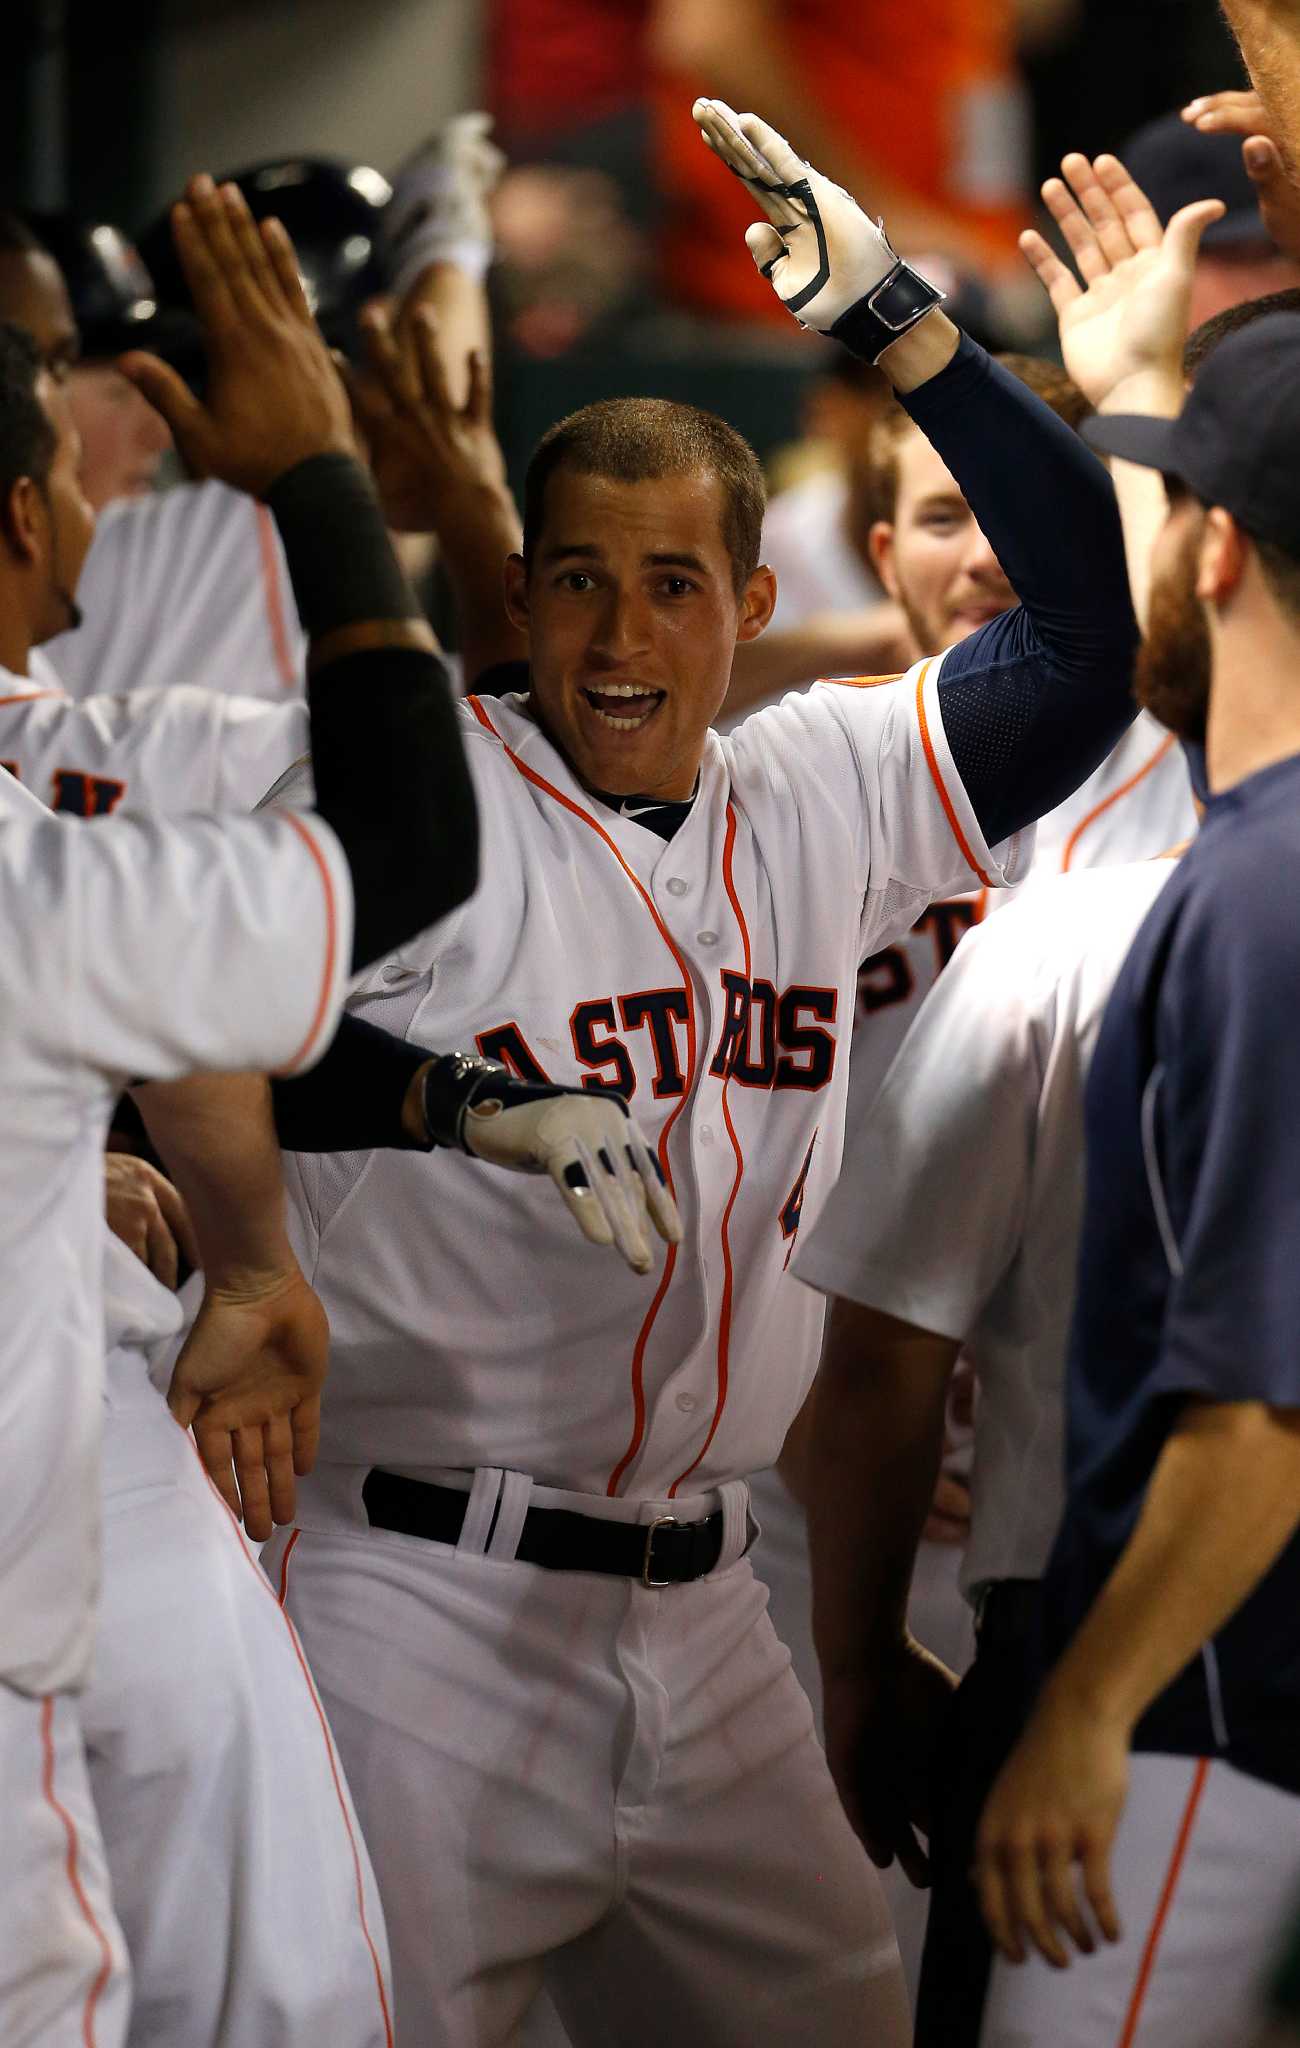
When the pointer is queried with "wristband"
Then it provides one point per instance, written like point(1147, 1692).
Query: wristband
point(340, 558)
point(887, 311)
point(452, 1082)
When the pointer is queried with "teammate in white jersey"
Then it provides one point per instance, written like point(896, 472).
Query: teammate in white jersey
point(519, 1572)
point(151, 949)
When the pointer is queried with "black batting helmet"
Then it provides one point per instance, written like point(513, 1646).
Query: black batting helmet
point(113, 297)
point(332, 213)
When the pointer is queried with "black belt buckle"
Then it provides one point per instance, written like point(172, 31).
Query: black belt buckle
point(647, 1562)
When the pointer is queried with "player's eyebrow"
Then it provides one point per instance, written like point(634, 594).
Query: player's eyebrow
point(676, 559)
point(590, 551)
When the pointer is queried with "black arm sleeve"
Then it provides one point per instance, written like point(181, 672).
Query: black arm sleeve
point(351, 1100)
point(387, 754)
point(1035, 700)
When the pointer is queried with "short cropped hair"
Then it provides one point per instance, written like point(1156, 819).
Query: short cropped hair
point(635, 440)
point(1203, 340)
point(1048, 380)
point(17, 239)
point(27, 437)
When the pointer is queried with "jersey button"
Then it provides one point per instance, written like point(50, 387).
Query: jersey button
point(707, 938)
point(706, 1134)
point(686, 1402)
point(676, 886)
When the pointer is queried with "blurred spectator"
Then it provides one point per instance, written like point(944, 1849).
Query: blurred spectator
point(915, 106)
point(815, 532)
point(1175, 164)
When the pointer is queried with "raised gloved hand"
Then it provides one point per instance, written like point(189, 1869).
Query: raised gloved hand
point(585, 1139)
point(828, 263)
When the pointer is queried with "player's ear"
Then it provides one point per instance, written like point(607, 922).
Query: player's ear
point(1221, 558)
point(517, 592)
point(757, 603)
point(880, 547)
point(24, 519)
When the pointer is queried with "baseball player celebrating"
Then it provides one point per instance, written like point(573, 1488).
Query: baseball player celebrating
point(124, 926)
point(1161, 1754)
point(519, 1570)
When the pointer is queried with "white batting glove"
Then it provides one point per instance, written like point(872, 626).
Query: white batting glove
point(822, 255)
point(593, 1150)
point(595, 1153)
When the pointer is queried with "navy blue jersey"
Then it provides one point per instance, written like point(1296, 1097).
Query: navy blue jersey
point(1189, 1274)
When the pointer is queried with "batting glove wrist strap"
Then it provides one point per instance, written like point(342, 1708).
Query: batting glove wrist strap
point(451, 1084)
point(895, 305)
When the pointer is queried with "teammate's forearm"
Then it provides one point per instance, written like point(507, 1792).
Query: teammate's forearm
point(215, 1135)
point(477, 532)
point(877, 1444)
point(1223, 1502)
point(1140, 493)
point(387, 757)
point(836, 645)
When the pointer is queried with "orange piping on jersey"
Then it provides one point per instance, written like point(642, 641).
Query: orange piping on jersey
point(724, 1311)
point(1114, 797)
point(643, 1337)
point(937, 779)
point(330, 1757)
point(1129, 2034)
point(274, 602)
point(74, 1879)
point(283, 1594)
point(864, 682)
point(331, 941)
point(31, 696)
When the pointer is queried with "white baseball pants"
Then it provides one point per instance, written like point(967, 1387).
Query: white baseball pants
point(1205, 1863)
point(64, 1977)
point(622, 1781)
point(239, 1872)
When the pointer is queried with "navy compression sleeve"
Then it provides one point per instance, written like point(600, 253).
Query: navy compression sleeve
point(352, 1099)
point(1035, 700)
point(387, 756)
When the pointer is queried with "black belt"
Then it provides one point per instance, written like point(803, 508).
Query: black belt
point(664, 1552)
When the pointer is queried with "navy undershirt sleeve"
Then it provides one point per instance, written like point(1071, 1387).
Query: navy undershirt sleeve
point(351, 1100)
point(1036, 699)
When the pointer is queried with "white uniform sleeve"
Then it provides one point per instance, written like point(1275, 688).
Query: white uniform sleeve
point(152, 948)
point(877, 750)
point(931, 1201)
point(259, 742)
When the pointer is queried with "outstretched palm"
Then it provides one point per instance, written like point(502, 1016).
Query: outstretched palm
point(1129, 315)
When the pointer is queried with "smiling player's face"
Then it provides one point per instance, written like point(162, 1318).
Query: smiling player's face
point(933, 557)
point(633, 618)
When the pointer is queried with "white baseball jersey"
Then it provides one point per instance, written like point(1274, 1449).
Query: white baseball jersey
point(1136, 805)
point(145, 950)
point(180, 749)
point(711, 980)
point(805, 539)
point(959, 1205)
point(189, 586)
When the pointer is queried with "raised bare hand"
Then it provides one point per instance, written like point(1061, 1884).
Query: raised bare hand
point(1129, 314)
point(273, 395)
point(427, 453)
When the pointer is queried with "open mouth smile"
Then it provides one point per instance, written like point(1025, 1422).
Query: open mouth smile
point(623, 706)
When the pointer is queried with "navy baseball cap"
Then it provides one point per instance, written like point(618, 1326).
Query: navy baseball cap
point(1175, 164)
point(1236, 442)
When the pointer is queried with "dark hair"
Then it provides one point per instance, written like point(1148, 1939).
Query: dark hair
point(27, 437)
point(1046, 379)
point(632, 440)
point(1203, 340)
